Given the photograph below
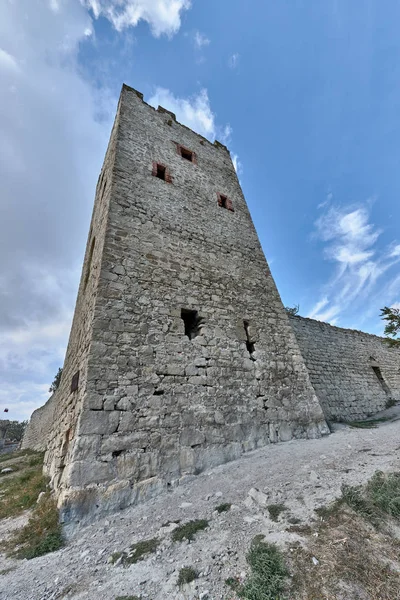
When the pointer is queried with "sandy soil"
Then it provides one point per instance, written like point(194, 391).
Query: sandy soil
point(302, 474)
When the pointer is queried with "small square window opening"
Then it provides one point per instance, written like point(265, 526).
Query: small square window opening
point(161, 172)
point(192, 321)
point(225, 202)
point(188, 154)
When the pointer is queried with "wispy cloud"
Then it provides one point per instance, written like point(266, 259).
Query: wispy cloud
point(351, 243)
point(234, 60)
point(195, 111)
point(237, 164)
point(200, 40)
point(163, 16)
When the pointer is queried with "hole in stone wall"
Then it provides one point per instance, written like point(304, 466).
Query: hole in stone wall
point(158, 392)
point(188, 154)
point(192, 322)
point(161, 171)
point(75, 382)
point(383, 383)
point(117, 453)
point(249, 343)
point(223, 201)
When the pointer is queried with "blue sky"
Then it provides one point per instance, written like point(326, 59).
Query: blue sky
point(306, 95)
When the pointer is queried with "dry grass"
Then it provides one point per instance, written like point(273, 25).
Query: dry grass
point(19, 491)
point(356, 547)
point(41, 535)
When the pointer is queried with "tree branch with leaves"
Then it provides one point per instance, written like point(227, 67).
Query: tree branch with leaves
point(392, 328)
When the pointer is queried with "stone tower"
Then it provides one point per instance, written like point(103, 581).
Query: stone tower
point(181, 356)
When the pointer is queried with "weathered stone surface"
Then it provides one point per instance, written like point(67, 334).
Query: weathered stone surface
point(186, 382)
point(341, 365)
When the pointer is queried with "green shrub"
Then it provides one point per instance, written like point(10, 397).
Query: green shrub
point(188, 530)
point(186, 575)
point(275, 510)
point(268, 573)
point(139, 550)
point(223, 507)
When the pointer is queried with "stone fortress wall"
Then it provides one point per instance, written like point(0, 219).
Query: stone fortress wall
point(354, 374)
point(181, 354)
point(37, 433)
point(182, 346)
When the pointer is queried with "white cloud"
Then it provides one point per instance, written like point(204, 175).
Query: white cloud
point(51, 147)
point(318, 307)
point(237, 164)
point(395, 251)
point(351, 244)
point(195, 112)
point(226, 134)
point(7, 61)
point(163, 16)
point(200, 40)
point(234, 60)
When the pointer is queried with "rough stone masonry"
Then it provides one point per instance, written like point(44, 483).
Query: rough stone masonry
point(181, 355)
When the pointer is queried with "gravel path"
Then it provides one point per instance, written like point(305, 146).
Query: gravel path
point(301, 474)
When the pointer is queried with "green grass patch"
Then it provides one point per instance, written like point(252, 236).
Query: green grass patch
point(186, 575)
point(6, 571)
point(188, 530)
point(233, 583)
point(139, 551)
point(275, 510)
point(41, 535)
point(19, 454)
point(384, 492)
point(223, 507)
point(268, 573)
point(20, 492)
point(114, 557)
point(379, 498)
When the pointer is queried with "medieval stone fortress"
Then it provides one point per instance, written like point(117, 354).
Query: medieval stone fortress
point(181, 355)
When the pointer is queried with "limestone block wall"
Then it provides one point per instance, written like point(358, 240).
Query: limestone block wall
point(73, 385)
point(353, 373)
point(37, 432)
point(159, 402)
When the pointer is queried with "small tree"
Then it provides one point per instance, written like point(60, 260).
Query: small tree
point(292, 310)
point(56, 382)
point(392, 327)
point(15, 430)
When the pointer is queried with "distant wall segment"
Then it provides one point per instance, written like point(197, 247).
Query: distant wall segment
point(37, 432)
point(354, 374)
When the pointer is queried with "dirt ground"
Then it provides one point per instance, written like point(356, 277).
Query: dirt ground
point(301, 474)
